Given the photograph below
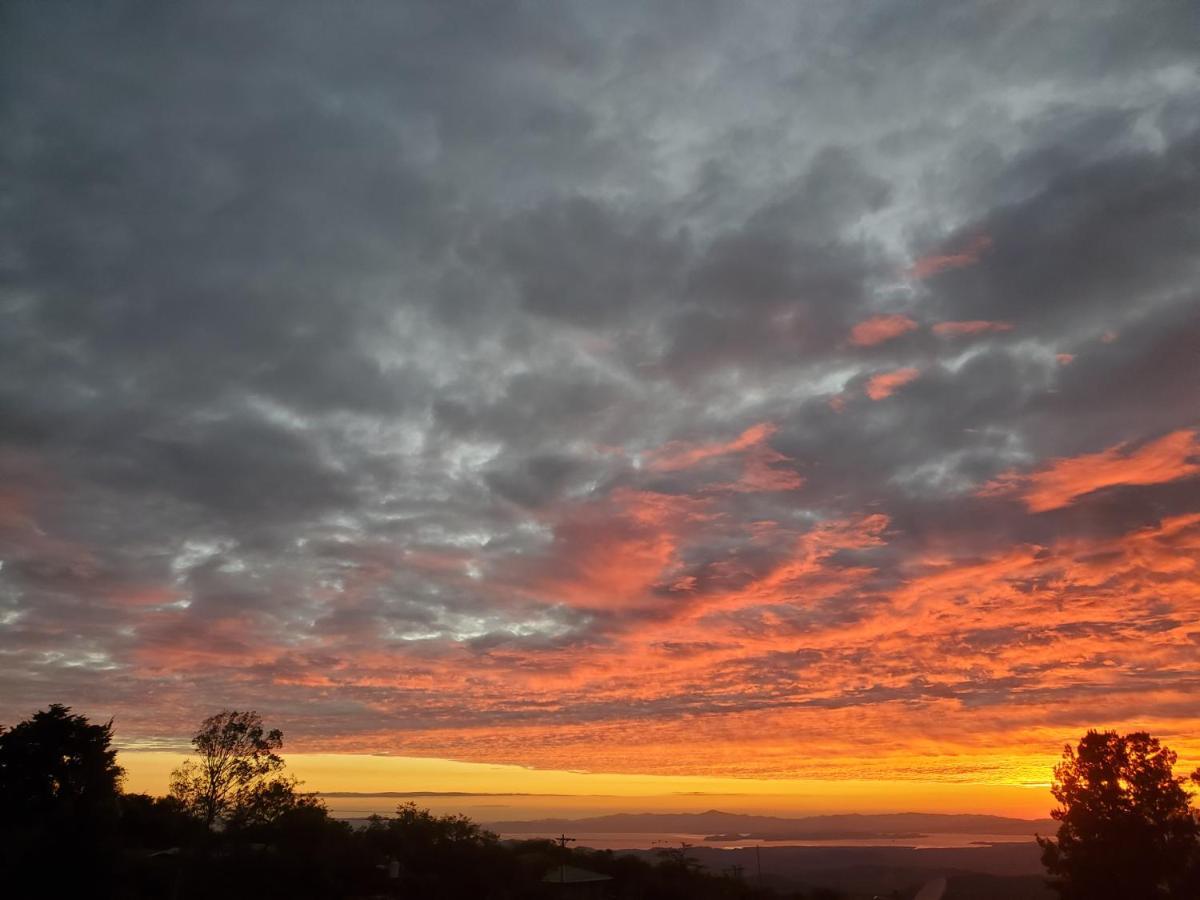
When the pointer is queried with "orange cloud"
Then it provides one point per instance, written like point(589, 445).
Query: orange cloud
point(761, 469)
point(615, 552)
point(970, 669)
point(762, 472)
point(928, 266)
point(887, 383)
point(682, 455)
point(1174, 456)
point(734, 633)
point(878, 329)
point(974, 326)
point(965, 666)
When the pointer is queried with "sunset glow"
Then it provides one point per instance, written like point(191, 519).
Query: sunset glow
point(490, 791)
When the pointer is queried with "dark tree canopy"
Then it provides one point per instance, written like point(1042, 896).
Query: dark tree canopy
point(58, 764)
point(269, 801)
point(157, 823)
point(1127, 829)
point(59, 790)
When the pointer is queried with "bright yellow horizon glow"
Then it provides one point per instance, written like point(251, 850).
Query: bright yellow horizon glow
point(571, 794)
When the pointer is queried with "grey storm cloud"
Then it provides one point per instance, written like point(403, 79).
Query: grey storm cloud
point(331, 333)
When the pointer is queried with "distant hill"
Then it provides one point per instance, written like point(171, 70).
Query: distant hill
point(426, 794)
point(778, 828)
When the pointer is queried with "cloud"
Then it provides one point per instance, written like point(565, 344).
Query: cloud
point(878, 329)
point(928, 266)
point(1064, 481)
point(978, 326)
point(767, 470)
point(678, 455)
point(885, 384)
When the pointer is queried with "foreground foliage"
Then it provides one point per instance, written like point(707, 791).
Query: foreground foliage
point(60, 789)
point(1128, 830)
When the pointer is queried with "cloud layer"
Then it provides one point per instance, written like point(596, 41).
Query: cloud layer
point(754, 390)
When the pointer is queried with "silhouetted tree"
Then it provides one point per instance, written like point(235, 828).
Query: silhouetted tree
point(446, 856)
point(679, 857)
point(58, 764)
point(1126, 829)
point(157, 823)
point(1191, 880)
point(269, 801)
point(59, 784)
point(236, 761)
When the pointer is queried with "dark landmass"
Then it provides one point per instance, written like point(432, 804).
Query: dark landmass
point(822, 836)
point(864, 883)
point(715, 822)
point(1009, 871)
point(996, 859)
point(969, 886)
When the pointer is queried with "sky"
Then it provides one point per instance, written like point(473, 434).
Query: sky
point(800, 393)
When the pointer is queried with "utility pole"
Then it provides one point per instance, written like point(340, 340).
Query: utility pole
point(562, 840)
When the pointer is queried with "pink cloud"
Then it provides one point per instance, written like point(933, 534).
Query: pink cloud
point(682, 455)
point(613, 552)
point(887, 383)
point(927, 266)
point(761, 467)
point(973, 326)
point(763, 472)
point(878, 329)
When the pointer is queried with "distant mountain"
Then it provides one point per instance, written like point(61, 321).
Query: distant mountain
point(714, 821)
point(417, 794)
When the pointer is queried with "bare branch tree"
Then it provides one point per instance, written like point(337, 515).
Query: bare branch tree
point(236, 757)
